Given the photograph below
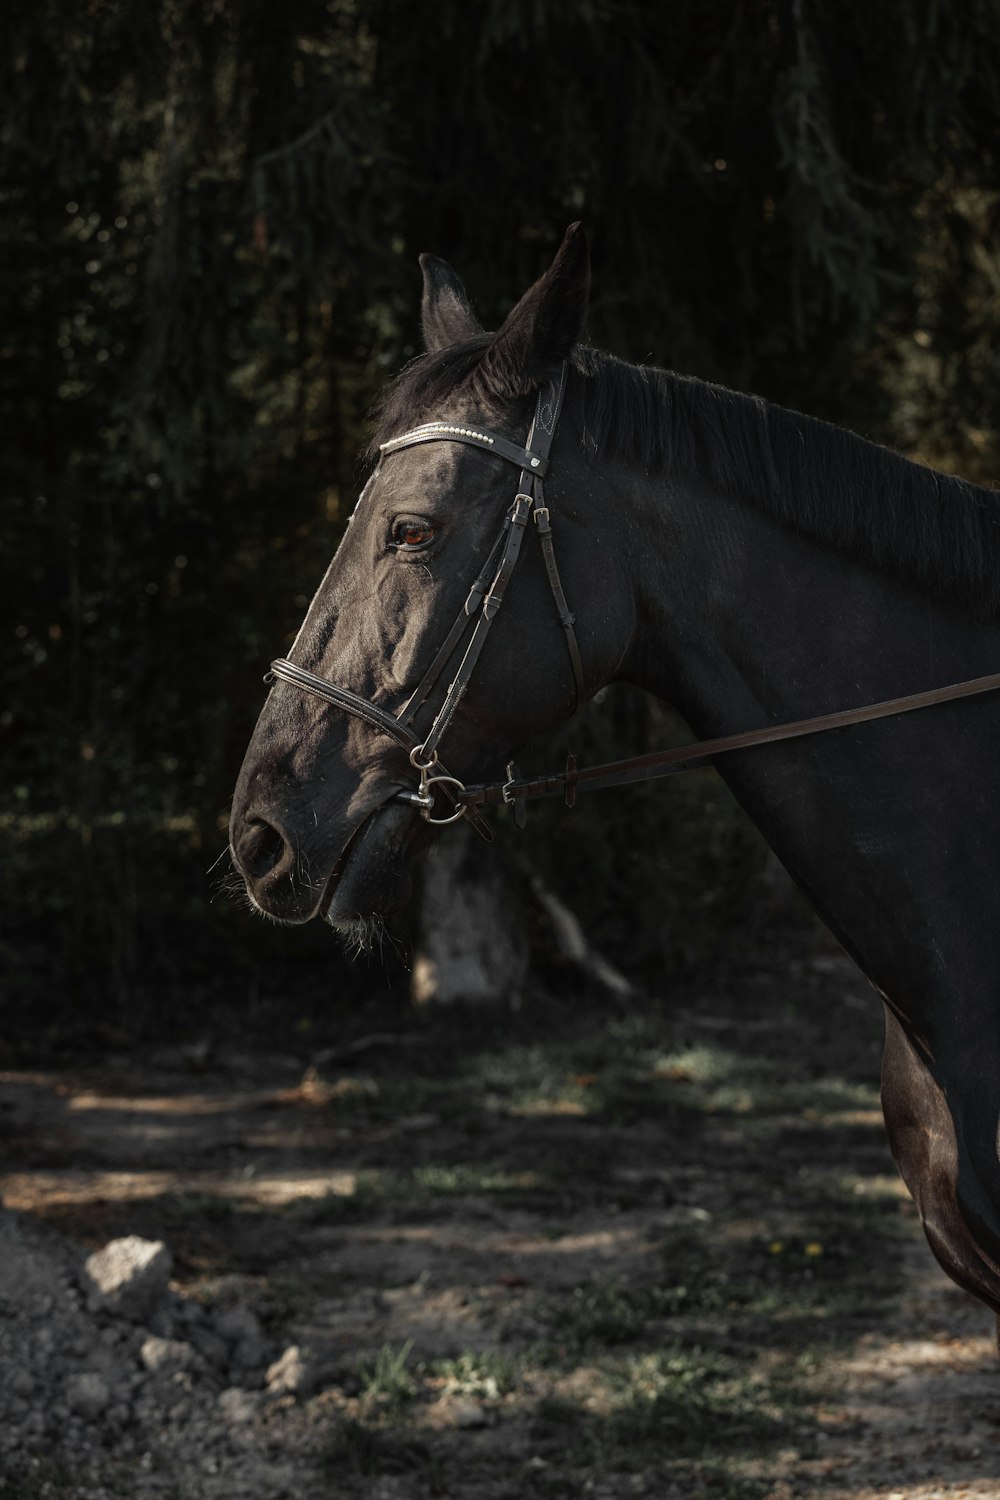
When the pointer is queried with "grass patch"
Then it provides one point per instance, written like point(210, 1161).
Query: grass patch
point(388, 1386)
point(607, 1313)
point(484, 1375)
point(424, 1184)
point(360, 1452)
point(677, 1413)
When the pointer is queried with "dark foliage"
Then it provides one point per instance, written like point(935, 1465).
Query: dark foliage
point(211, 222)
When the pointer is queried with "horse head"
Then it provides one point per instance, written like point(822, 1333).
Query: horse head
point(318, 821)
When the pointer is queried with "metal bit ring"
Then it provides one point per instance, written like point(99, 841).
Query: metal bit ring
point(428, 781)
point(419, 764)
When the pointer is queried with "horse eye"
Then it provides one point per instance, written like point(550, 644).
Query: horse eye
point(412, 534)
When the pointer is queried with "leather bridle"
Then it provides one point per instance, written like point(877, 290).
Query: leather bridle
point(477, 614)
point(476, 618)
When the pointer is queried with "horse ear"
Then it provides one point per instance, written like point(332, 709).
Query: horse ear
point(445, 313)
point(541, 330)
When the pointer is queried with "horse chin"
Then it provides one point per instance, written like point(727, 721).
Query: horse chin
point(372, 879)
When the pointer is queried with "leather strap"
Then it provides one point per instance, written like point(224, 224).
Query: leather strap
point(481, 605)
point(686, 757)
point(533, 459)
point(447, 649)
point(548, 409)
point(378, 718)
point(487, 614)
point(567, 619)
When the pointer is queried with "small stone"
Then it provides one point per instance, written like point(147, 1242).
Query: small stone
point(21, 1383)
point(238, 1324)
point(288, 1373)
point(467, 1414)
point(251, 1355)
point(128, 1277)
point(165, 1356)
point(88, 1395)
point(238, 1407)
point(161, 1322)
point(210, 1346)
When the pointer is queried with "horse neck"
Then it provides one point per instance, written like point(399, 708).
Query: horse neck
point(743, 623)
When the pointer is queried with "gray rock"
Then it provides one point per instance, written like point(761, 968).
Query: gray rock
point(468, 1414)
point(288, 1373)
point(238, 1407)
point(161, 1322)
point(210, 1346)
point(165, 1356)
point(128, 1277)
point(238, 1325)
point(251, 1355)
point(87, 1394)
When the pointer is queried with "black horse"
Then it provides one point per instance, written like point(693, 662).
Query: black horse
point(749, 565)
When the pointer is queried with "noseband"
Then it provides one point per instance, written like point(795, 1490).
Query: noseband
point(477, 614)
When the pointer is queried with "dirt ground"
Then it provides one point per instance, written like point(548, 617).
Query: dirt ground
point(657, 1248)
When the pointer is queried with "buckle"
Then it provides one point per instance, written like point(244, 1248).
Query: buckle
point(516, 804)
point(521, 509)
point(570, 779)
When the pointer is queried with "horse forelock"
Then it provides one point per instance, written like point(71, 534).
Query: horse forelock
point(425, 388)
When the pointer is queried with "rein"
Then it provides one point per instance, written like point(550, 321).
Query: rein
point(476, 618)
point(661, 763)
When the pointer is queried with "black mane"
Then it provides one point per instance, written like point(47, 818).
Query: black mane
point(934, 529)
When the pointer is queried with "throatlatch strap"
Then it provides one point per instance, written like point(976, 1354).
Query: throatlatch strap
point(548, 408)
point(566, 616)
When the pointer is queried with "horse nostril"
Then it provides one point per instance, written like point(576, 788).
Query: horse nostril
point(260, 848)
